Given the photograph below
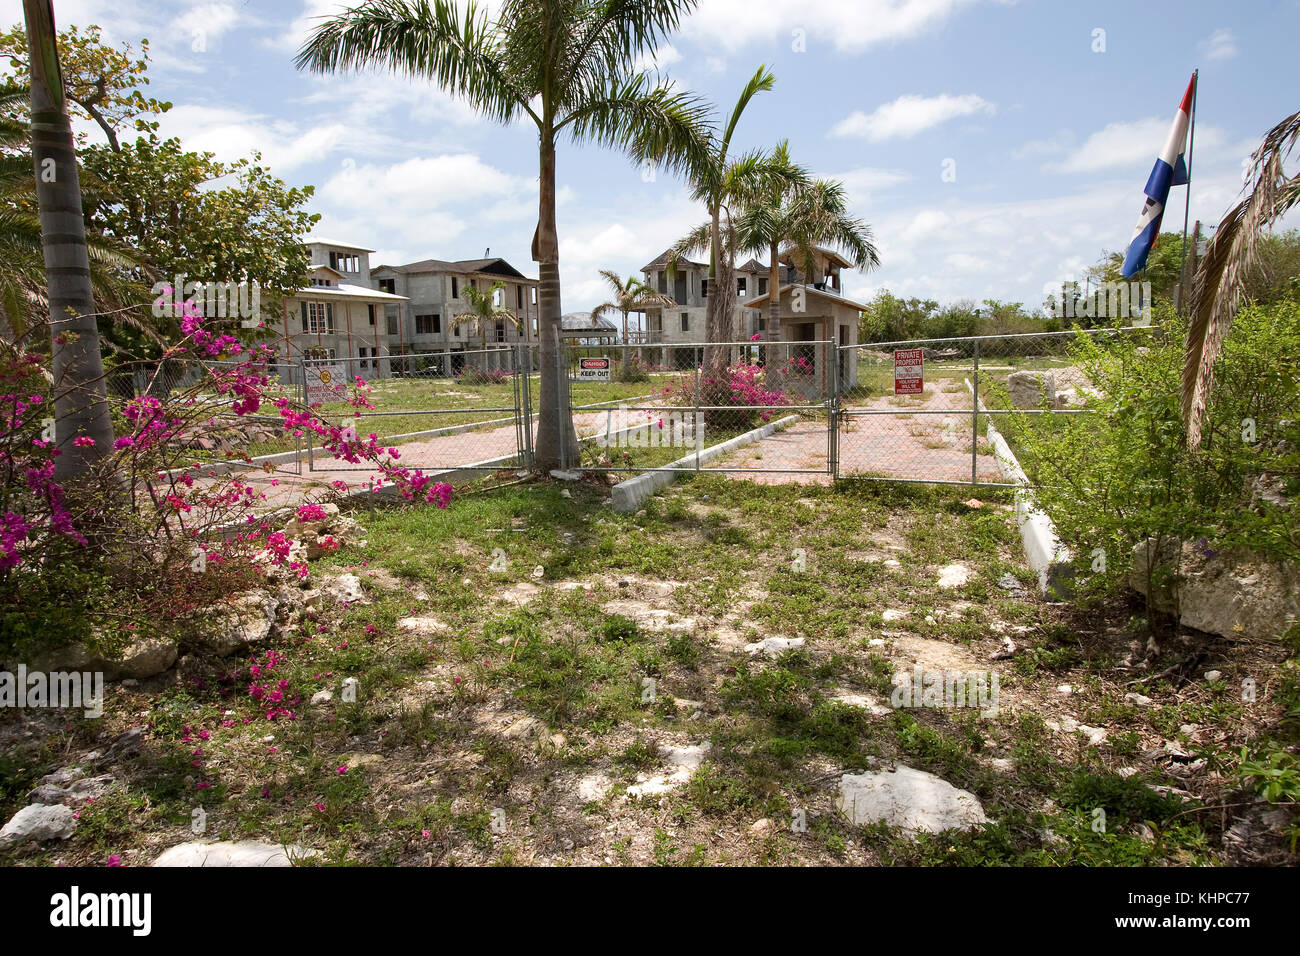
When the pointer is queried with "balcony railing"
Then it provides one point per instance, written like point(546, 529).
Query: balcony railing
point(644, 337)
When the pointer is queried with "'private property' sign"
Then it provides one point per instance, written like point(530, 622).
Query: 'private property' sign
point(909, 372)
point(593, 370)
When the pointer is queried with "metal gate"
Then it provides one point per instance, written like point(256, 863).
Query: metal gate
point(423, 411)
point(656, 406)
point(943, 427)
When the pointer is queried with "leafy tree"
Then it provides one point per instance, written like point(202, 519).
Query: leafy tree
point(102, 83)
point(157, 199)
point(566, 66)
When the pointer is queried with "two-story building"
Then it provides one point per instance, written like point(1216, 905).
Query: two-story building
point(818, 311)
point(685, 323)
point(430, 296)
point(338, 315)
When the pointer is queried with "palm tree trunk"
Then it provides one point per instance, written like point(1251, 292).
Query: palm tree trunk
point(553, 413)
point(712, 320)
point(80, 397)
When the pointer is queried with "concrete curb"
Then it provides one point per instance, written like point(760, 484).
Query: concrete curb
point(631, 494)
point(1051, 560)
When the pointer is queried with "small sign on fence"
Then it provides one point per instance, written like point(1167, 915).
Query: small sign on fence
point(325, 383)
point(909, 371)
point(593, 370)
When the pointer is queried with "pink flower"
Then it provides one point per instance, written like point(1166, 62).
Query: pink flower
point(342, 770)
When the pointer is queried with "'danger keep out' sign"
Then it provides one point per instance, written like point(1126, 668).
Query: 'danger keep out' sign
point(909, 372)
point(593, 370)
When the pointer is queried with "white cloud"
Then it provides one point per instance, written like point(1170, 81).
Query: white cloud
point(908, 115)
point(664, 56)
point(1220, 45)
point(209, 20)
point(846, 25)
point(1117, 145)
point(232, 134)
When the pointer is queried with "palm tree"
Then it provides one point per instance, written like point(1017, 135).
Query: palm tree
point(630, 296)
point(718, 181)
point(1222, 274)
point(80, 395)
point(24, 303)
point(483, 309)
point(566, 66)
point(817, 216)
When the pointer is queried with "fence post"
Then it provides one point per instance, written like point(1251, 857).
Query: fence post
point(975, 418)
point(699, 425)
point(833, 412)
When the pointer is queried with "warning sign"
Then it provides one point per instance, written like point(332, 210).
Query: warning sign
point(325, 383)
point(593, 370)
point(909, 372)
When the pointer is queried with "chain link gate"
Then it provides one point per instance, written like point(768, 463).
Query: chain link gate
point(928, 410)
point(421, 408)
point(767, 407)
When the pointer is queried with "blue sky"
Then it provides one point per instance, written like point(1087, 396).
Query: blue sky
point(1049, 126)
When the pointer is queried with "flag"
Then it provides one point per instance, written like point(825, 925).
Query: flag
point(1170, 170)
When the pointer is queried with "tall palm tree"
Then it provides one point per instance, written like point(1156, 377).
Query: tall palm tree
point(483, 309)
point(816, 216)
point(718, 180)
point(24, 303)
point(630, 296)
point(566, 66)
point(1222, 274)
point(765, 222)
point(80, 394)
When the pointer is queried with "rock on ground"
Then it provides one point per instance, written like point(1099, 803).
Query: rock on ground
point(954, 575)
point(774, 646)
point(37, 823)
point(1231, 592)
point(908, 799)
point(245, 853)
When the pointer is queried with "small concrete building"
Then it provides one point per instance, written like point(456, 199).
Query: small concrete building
point(817, 311)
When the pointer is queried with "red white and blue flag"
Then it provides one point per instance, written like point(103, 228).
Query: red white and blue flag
point(1170, 170)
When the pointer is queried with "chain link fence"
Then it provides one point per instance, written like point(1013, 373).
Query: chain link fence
point(461, 410)
point(921, 409)
point(714, 406)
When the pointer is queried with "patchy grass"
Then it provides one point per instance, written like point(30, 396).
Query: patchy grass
point(525, 718)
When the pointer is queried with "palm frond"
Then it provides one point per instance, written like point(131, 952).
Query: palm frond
point(1221, 275)
point(420, 38)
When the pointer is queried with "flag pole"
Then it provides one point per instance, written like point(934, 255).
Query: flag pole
point(1187, 204)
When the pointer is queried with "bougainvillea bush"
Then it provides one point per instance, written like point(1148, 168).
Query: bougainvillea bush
point(152, 533)
point(736, 400)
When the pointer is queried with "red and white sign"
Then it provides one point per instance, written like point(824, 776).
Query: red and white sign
point(909, 372)
point(593, 370)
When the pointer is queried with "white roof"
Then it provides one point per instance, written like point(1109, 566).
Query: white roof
point(314, 241)
point(345, 291)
